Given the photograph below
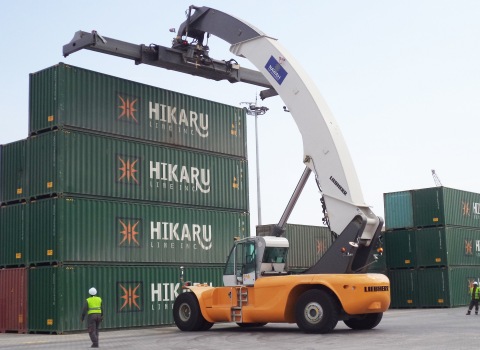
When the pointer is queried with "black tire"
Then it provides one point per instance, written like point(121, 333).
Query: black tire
point(206, 325)
point(366, 321)
point(316, 311)
point(251, 325)
point(187, 314)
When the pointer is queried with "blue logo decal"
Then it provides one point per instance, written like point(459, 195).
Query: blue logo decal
point(276, 70)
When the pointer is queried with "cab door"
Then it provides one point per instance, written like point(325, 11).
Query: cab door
point(241, 265)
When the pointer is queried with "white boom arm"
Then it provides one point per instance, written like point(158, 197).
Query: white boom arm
point(325, 151)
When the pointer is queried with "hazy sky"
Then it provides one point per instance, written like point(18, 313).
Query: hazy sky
point(402, 79)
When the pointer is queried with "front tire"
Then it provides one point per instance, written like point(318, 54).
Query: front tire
point(187, 314)
point(316, 311)
point(366, 321)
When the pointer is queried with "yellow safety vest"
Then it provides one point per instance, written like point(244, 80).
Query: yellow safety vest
point(477, 293)
point(94, 305)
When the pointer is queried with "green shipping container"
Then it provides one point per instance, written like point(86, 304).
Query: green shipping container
point(443, 206)
point(404, 288)
point(132, 295)
point(446, 287)
point(448, 245)
point(67, 96)
point(400, 248)
point(12, 235)
point(307, 243)
point(398, 209)
point(12, 172)
point(92, 165)
point(74, 229)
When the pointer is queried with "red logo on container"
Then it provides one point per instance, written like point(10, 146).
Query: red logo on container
point(127, 107)
point(466, 208)
point(129, 231)
point(129, 296)
point(320, 247)
point(128, 172)
point(468, 247)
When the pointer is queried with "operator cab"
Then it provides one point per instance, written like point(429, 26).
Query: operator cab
point(255, 257)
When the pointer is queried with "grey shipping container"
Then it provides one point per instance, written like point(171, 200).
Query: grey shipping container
point(13, 300)
point(12, 172)
point(93, 165)
point(307, 243)
point(447, 245)
point(74, 229)
point(398, 208)
point(64, 95)
point(442, 206)
point(132, 295)
point(12, 235)
point(447, 286)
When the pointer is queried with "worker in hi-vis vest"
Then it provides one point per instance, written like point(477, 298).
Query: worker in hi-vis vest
point(475, 294)
point(94, 309)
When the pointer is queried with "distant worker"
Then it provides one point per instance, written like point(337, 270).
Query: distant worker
point(475, 294)
point(93, 308)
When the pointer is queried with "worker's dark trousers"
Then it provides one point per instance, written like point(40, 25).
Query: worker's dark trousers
point(93, 325)
point(472, 304)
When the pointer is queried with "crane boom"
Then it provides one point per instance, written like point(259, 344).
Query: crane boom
point(325, 150)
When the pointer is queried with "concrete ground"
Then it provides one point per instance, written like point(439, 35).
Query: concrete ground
point(400, 329)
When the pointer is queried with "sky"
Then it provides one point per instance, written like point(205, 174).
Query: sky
point(402, 79)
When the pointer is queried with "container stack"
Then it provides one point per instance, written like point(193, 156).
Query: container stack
point(432, 241)
point(121, 186)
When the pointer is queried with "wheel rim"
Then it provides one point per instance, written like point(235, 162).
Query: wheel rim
point(185, 312)
point(313, 313)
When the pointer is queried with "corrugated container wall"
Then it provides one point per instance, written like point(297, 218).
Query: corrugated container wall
point(12, 172)
point(398, 210)
point(439, 206)
point(77, 229)
point(13, 245)
point(13, 300)
point(67, 96)
point(307, 243)
point(93, 165)
point(447, 245)
point(400, 249)
point(133, 295)
point(446, 287)
point(404, 288)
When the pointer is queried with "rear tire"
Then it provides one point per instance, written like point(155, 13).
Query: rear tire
point(316, 311)
point(366, 321)
point(187, 314)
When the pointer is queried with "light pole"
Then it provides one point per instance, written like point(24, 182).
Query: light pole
point(255, 110)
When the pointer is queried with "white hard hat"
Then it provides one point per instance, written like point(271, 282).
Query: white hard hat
point(92, 291)
point(475, 283)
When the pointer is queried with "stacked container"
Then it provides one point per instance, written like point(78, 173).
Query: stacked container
point(120, 186)
point(433, 242)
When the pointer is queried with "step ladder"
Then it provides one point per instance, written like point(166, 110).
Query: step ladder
point(242, 299)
